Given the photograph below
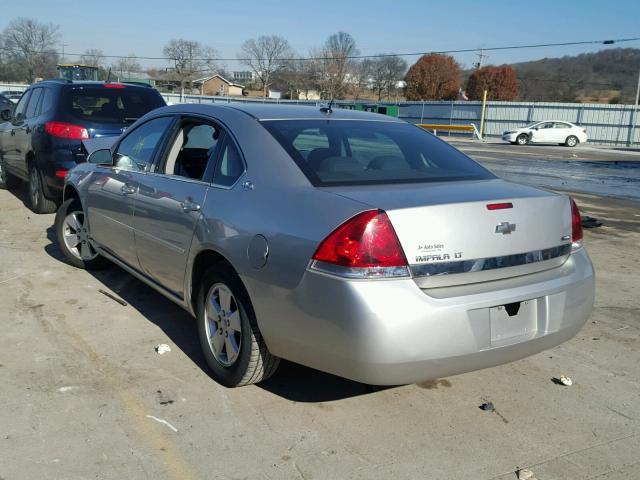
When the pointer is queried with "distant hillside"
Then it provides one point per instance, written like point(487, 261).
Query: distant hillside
point(608, 76)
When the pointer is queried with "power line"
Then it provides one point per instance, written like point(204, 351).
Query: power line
point(381, 55)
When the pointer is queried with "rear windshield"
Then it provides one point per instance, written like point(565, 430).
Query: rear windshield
point(111, 105)
point(355, 152)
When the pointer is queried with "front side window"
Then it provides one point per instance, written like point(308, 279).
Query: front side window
point(19, 112)
point(360, 152)
point(137, 149)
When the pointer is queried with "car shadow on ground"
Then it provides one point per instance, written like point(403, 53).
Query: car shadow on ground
point(291, 381)
point(21, 192)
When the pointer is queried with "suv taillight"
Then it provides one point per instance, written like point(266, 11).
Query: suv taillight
point(66, 130)
point(576, 225)
point(365, 246)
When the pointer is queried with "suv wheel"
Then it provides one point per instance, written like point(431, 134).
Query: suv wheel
point(231, 341)
point(74, 239)
point(8, 181)
point(38, 202)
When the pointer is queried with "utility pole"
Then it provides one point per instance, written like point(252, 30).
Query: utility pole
point(481, 56)
point(63, 45)
point(635, 113)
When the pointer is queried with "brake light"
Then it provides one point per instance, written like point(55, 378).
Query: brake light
point(499, 206)
point(61, 173)
point(114, 85)
point(576, 225)
point(66, 130)
point(365, 246)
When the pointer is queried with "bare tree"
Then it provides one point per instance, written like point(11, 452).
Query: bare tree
point(93, 57)
point(30, 46)
point(360, 76)
point(190, 58)
point(336, 62)
point(385, 74)
point(124, 67)
point(265, 55)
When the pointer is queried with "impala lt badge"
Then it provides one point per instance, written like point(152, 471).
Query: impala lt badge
point(505, 228)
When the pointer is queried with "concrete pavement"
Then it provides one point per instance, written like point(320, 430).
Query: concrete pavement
point(84, 395)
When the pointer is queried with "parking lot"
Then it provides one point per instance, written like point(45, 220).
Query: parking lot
point(86, 396)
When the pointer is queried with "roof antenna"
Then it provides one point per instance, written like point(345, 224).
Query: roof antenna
point(108, 76)
point(327, 109)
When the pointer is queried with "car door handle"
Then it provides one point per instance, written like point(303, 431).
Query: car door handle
point(128, 189)
point(189, 205)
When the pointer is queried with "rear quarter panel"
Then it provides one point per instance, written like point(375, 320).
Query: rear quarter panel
point(283, 207)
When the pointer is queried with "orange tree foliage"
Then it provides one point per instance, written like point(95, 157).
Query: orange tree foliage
point(433, 77)
point(501, 83)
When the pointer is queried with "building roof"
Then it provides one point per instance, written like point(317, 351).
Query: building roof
point(206, 79)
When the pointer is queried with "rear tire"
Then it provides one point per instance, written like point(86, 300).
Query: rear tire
point(73, 237)
point(571, 141)
point(522, 139)
point(9, 182)
point(229, 335)
point(37, 200)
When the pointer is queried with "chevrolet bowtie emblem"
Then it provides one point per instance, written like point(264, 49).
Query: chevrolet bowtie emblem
point(505, 228)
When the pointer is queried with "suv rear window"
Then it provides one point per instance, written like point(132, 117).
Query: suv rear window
point(111, 105)
point(357, 152)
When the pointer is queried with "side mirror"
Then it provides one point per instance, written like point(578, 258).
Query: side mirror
point(102, 157)
point(5, 115)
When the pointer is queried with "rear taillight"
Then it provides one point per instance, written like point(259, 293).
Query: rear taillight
point(366, 246)
point(576, 225)
point(66, 130)
point(61, 173)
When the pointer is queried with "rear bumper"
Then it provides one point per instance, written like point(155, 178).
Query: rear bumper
point(392, 332)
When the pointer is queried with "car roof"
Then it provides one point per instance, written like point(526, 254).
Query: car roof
point(262, 111)
point(554, 120)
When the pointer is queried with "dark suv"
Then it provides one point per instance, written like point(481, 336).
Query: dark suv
point(42, 138)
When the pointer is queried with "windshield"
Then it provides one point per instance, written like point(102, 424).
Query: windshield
point(112, 105)
point(356, 152)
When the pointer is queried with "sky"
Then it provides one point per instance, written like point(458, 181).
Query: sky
point(119, 27)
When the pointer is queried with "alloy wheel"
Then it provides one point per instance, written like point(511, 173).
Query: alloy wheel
point(223, 324)
point(76, 237)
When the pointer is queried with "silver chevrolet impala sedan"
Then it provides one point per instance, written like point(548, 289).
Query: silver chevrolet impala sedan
point(350, 242)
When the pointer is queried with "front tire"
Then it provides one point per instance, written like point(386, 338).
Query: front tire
point(571, 141)
point(37, 200)
point(522, 139)
point(72, 234)
point(229, 335)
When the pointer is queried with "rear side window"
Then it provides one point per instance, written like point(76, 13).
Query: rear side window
point(111, 105)
point(355, 152)
point(34, 101)
point(229, 167)
point(47, 100)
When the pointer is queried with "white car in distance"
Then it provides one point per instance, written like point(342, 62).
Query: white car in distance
point(549, 131)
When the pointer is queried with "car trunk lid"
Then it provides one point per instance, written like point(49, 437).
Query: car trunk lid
point(450, 235)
